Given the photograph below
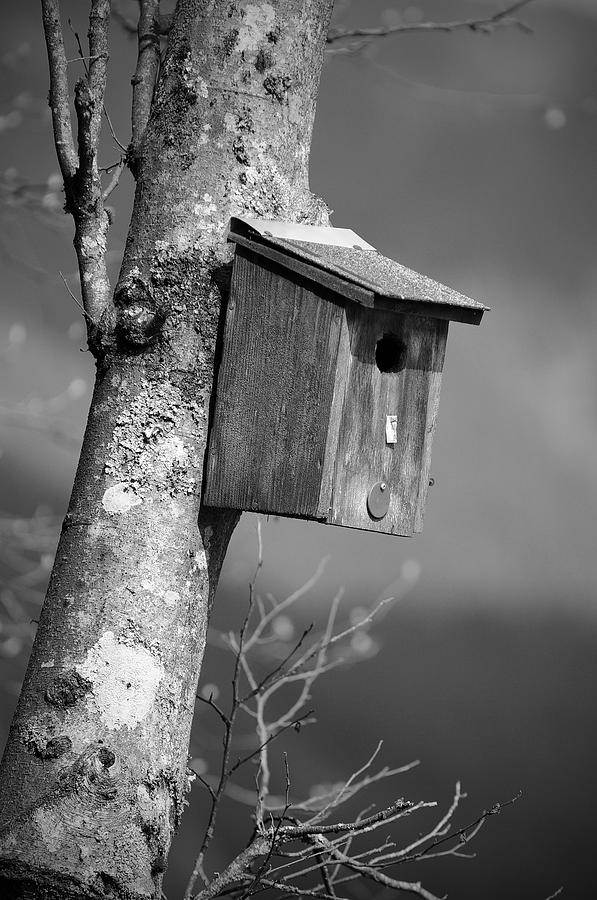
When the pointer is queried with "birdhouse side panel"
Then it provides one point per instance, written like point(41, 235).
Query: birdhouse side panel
point(388, 419)
point(274, 391)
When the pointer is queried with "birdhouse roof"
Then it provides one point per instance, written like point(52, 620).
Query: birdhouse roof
point(338, 258)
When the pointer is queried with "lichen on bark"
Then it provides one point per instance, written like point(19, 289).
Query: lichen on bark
point(91, 790)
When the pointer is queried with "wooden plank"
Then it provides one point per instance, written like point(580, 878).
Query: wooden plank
point(363, 456)
point(274, 392)
point(312, 273)
point(331, 449)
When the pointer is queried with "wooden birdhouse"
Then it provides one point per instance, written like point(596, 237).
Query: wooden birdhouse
point(328, 386)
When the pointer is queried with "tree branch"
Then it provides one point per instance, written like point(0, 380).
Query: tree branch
point(148, 64)
point(59, 94)
point(411, 887)
point(325, 853)
point(89, 96)
point(484, 25)
point(99, 19)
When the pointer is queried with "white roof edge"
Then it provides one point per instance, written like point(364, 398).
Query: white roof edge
point(314, 234)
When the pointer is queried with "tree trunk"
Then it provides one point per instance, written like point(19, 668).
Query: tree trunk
point(94, 775)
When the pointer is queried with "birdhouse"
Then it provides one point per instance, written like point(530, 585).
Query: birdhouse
point(328, 386)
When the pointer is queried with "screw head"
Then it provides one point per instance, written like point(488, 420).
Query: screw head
point(383, 486)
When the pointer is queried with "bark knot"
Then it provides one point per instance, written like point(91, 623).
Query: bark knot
point(140, 317)
point(52, 749)
point(94, 777)
point(66, 689)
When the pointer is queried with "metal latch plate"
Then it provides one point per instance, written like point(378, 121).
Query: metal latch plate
point(378, 500)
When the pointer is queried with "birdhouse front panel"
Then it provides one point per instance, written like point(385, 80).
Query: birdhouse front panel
point(328, 387)
point(391, 396)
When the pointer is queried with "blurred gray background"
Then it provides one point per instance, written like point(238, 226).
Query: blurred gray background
point(470, 158)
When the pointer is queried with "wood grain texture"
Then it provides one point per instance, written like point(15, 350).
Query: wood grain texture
point(363, 457)
point(343, 359)
point(274, 391)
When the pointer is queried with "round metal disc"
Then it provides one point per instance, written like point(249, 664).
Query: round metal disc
point(378, 500)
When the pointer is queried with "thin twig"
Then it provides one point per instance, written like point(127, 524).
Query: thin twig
point(79, 59)
point(81, 56)
point(315, 802)
point(275, 832)
point(413, 887)
point(112, 132)
point(485, 24)
point(80, 305)
point(497, 808)
point(288, 601)
point(271, 676)
point(319, 816)
point(272, 737)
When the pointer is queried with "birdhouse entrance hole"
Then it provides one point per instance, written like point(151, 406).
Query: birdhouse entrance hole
point(390, 353)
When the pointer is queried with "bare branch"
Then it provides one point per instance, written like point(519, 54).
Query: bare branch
point(99, 19)
point(288, 601)
point(146, 73)
point(89, 91)
point(299, 892)
point(361, 827)
point(271, 676)
point(80, 172)
point(411, 887)
point(556, 893)
point(59, 94)
point(236, 871)
point(81, 57)
point(327, 852)
point(272, 737)
point(112, 132)
point(314, 803)
point(439, 832)
point(482, 25)
point(318, 817)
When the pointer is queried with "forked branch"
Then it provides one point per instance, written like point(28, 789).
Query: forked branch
point(79, 168)
point(302, 847)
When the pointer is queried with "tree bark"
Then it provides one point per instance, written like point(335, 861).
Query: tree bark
point(93, 779)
